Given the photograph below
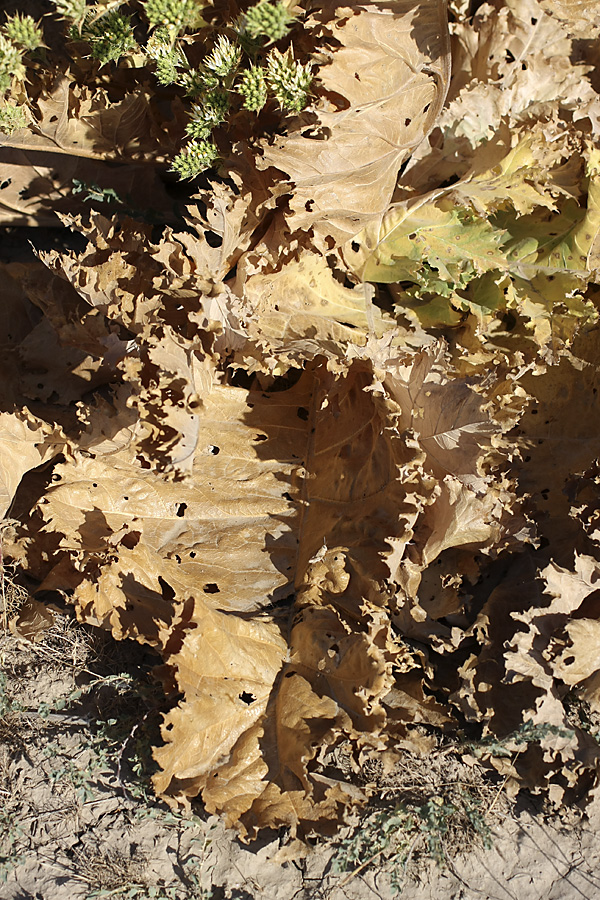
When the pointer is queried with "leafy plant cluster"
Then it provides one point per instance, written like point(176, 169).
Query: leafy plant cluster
point(329, 444)
point(240, 68)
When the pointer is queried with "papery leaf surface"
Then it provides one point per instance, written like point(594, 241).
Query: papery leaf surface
point(380, 92)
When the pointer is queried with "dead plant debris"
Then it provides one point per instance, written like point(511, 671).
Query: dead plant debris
point(323, 436)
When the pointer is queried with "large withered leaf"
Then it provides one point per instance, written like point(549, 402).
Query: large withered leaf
point(381, 89)
point(265, 721)
point(303, 310)
point(234, 509)
point(77, 120)
point(271, 504)
point(226, 668)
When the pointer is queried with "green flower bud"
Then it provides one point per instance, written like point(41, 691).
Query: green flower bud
point(167, 71)
point(289, 80)
point(160, 43)
point(268, 19)
point(253, 88)
point(23, 31)
point(195, 157)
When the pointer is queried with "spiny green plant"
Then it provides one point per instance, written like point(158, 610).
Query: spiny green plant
point(12, 118)
point(240, 69)
point(110, 36)
point(23, 32)
point(288, 79)
point(19, 34)
point(11, 64)
point(266, 19)
point(176, 15)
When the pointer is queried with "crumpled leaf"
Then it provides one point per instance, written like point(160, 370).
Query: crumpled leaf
point(559, 436)
point(577, 16)
point(268, 508)
point(380, 93)
point(520, 57)
point(408, 239)
point(26, 442)
point(304, 310)
point(542, 261)
point(80, 121)
point(349, 517)
point(33, 619)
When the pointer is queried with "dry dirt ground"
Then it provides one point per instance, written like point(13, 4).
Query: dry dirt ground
point(78, 715)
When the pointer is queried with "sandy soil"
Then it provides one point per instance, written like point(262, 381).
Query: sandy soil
point(78, 715)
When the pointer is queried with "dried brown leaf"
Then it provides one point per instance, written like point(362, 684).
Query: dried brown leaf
point(381, 90)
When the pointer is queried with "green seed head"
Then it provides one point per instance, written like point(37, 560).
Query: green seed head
point(12, 118)
point(253, 88)
point(73, 10)
point(23, 31)
point(267, 19)
point(110, 36)
point(196, 156)
point(177, 15)
point(198, 82)
point(225, 57)
point(289, 80)
point(211, 112)
point(11, 64)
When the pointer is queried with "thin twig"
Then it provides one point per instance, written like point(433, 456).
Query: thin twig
point(503, 785)
point(360, 868)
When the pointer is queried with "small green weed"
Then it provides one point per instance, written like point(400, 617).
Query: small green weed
point(10, 833)
point(94, 192)
point(392, 837)
point(527, 733)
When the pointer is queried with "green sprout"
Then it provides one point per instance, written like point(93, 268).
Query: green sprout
point(234, 74)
